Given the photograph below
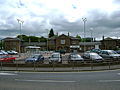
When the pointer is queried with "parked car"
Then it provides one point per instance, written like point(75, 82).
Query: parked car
point(55, 57)
point(118, 51)
point(35, 58)
point(3, 52)
point(7, 58)
point(109, 54)
point(92, 56)
point(12, 52)
point(75, 58)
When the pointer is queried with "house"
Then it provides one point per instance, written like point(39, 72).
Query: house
point(63, 42)
point(12, 44)
point(109, 43)
point(20, 46)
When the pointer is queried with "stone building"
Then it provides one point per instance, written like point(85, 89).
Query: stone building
point(12, 44)
point(109, 43)
point(20, 46)
point(63, 42)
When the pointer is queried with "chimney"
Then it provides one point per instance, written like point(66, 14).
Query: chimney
point(103, 37)
point(68, 34)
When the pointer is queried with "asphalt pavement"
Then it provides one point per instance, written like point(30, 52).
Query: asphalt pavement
point(97, 80)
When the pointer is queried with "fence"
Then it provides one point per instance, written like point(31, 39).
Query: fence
point(20, 65)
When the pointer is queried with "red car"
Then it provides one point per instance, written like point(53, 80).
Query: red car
point(7, 58)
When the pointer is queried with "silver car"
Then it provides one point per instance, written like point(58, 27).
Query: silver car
point(75, 58)
point(92, 56)
point(109, 54)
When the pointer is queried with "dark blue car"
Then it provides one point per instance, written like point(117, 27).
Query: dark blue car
point(35, 58)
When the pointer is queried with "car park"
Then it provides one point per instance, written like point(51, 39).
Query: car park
point(75, 58)
point(35, 58)
point(91, 56)
point(109, 54)
point(7, 58)
point(55, 58)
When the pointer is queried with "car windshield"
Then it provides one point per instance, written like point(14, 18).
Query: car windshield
point(55, 55)
point(35, 56)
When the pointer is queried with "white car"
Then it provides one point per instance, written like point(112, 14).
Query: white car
point(12, 52)
point(55, 57)
point(75, 58)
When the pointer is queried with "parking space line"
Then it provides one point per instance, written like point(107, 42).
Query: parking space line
point(45, 81)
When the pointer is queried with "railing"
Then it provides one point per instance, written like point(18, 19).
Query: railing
point(20, 65)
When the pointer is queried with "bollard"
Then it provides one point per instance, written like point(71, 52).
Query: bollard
point(16, 66)
point(53, 65)
point(109, 64)
point(73, 64)
point(1, 65)
point(34, 65)
point(91, 64)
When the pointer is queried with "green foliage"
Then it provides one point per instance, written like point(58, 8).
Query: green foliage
point(32, 38)
point(77, 36)
point(86, 39)
point(42, 39)
point(1, 44)
point(51, 33)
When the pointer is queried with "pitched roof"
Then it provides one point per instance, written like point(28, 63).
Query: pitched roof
point(10, 38)
point(71, 37)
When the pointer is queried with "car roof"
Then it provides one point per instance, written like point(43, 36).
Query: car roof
point(108, 50)
point(91, 53)
point(56, 53)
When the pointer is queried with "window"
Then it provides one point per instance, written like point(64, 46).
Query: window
point(62, 41)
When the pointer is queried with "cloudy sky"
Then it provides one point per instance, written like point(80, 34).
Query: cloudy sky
point(39, 16)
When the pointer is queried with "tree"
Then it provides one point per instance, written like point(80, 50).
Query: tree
point(51, 33)
point(42, 39)
point(77, 36)
point(24, 37)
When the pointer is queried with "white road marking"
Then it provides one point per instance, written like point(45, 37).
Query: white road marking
point(7, 74)
point(109, 80)
point(118, 73)
point(47, 81)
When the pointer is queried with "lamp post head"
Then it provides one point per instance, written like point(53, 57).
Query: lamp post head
point(84, 19)
point(20, 21)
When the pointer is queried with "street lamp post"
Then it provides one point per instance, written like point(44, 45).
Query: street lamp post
point(21, 23)
point(91, 30)
point(47, 38)
point(84, 21)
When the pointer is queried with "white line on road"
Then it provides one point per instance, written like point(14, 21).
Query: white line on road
point(109, 80)
point(7, 74)
point(118, 73)
point(46, 81)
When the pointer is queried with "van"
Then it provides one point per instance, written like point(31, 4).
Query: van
point(55, 57)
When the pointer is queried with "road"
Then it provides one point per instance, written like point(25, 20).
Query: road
point(102, 80)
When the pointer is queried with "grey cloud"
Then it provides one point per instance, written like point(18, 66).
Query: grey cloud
point(101, 22)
